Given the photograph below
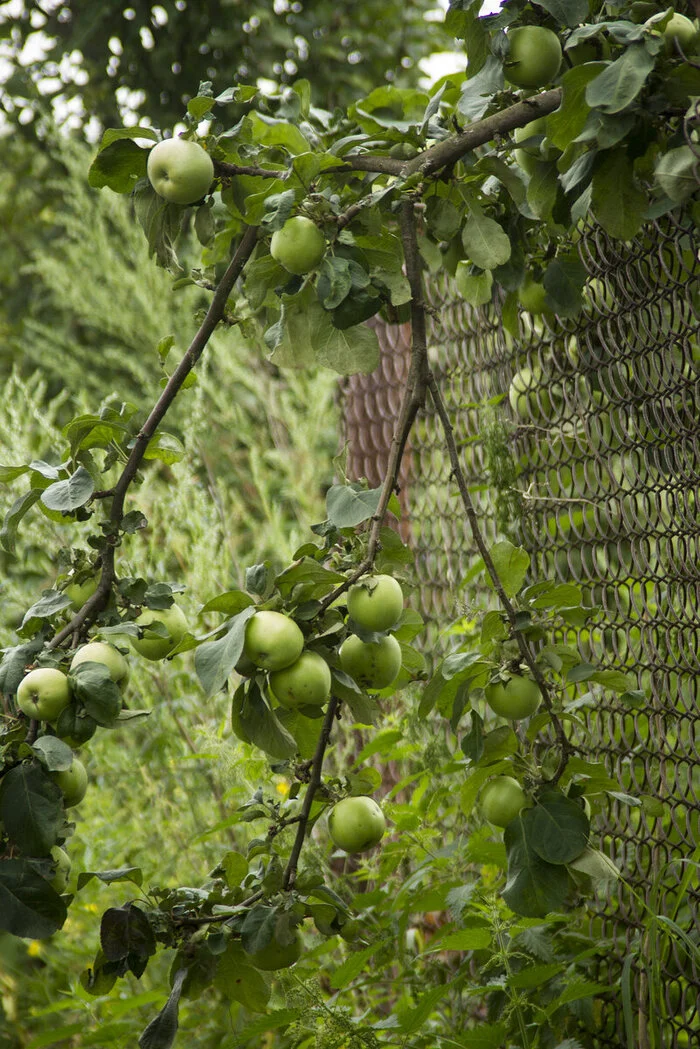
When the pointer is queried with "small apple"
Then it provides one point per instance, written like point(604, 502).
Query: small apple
point(523, 394)
point(534, 56)
point(108, 655)
point(532, 297)
point(684, 31)
point(73, 782)
point(373, 665)
point(273, 956)
point(63, 866)
point(180, 171)
point(517, 698)
point(80, 592)
point(307, 681)
point(155, 646)
point(501, 799)
point(43, 693)
point(375, 602)
point(356, 824)
point(273, 641)
point(299, 246)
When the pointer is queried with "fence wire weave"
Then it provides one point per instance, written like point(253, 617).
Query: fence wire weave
point(592, 462)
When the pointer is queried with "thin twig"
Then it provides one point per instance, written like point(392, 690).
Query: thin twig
point(314, 783)
point(94, 605)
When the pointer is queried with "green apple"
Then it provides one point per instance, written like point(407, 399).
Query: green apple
point(299, 246)
point(80, 592)
point(273, 956)
point(373, 665)
point(356, 824)
point(43, 693)
point(523, 394)
point(180, 171)
point(684, 31)
point(375, 602)
point(73, 782)
point(63, 866)
point(273, 641)
point(534, 56)
point(501, 799)
point(155, 646)
point(307, 681)
point(108, 655)
point(517, 698)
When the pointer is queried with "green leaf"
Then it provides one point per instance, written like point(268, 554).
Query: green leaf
point(13, 518)
point(9, 473)
point(534, 887)
point(238, 980)
point(304, 730)
point(534, 975)
point(49, 604)
point(55, 755)
point(125, 932)
point(215, 661)
point(92, 685)
point(613, 679)
point(485, 1036)
point(475, 288)
point(617, 202)
point(267, 131)
point(564, 279)
point(478, 90)
point(557, 827)
point(316, 580)
point(118, 165)
point(231, 603)
point(412, 1020)
point(31, 808)
point(350, 505)
point(254, 722)
point(29, 907)
point(542, 189)
point(66, 496)
point(351, 968)
point(474, 939)
point(166, 448)
point(132, 874)
point(114, 134)
point(307, 335)
point(511, 564)
point(160, 223)
point(567, 122)
point(676, 173)
point(566, 12)
point(485, 241)
point(621, 81)
point(162, 1030)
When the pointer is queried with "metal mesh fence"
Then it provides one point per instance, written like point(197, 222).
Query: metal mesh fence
point(591, 461)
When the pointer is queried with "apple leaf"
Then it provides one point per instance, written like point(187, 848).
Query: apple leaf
point(231, 603)
point(238, 980)
point(125, 932)
point(254, 722)
point(31, 808)
point(485, 241)
point(534, 887)
point(618, 203)
point(66, 496)
point(13, 517)
point(557, 827)
point(132, 874)
point(162, 1030)
point(350, 505)
point(215, 661)
point(675, 173)
point(511, 564)
point(621, 81)
point(568, 13)
point(56, 755)
point(93, 686)
point(49, 604)
point(118, 165)
point(29, 907)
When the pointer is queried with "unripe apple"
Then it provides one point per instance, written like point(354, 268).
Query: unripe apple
point(501, 799)
point(61, 858)
point(73, 782)
point(107, 655)
point(305, 682)
point(534, 56)
point(273, 641)
point(299, 246)
point(80, 592)
point(43, 693)
point(180, 171)
point(684, 31)
point(373, 665)
point(356, 824)
point(155, 647)
point(375, 602)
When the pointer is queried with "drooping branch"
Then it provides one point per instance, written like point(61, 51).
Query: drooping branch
point(94, 605)
point(473, 518)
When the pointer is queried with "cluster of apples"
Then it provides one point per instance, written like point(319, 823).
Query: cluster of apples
point(299, 678)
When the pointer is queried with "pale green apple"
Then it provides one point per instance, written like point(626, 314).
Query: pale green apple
point(180, 171)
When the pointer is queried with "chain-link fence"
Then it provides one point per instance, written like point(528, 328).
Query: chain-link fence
point(591, 460)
